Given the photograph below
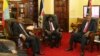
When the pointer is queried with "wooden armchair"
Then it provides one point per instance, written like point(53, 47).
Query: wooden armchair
point(95, 37)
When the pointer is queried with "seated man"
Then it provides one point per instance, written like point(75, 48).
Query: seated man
point(31, 42)
point(88, 25)
point(7, 45)
point(19, 29)
point(51, 30)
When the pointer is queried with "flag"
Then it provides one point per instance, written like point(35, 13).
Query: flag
point(89, 7)
point(41, 8)
point(6, 14)
point(41, 14)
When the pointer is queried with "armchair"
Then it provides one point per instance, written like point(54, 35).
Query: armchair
point(9, 29)
point(46, 28)
point(95, 37)
point(76, 26)
point(6, 44)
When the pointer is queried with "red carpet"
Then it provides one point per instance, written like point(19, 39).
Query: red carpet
point(61, 50)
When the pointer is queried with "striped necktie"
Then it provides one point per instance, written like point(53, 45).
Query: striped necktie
point(86, 27)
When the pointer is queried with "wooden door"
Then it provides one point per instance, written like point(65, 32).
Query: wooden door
point(35, 10)
point(62, 12)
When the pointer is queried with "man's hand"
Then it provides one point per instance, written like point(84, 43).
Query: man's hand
point(87, 34)
point(22, 36)
point(31, 33)
point(48, 32)
point(58, 30)
point(14, 51)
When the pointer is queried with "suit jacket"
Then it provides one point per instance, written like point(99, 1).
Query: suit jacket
point(91, 27)
point(46, 25)
point(16, 29)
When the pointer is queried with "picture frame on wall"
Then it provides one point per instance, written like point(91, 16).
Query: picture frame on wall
point(95, 11)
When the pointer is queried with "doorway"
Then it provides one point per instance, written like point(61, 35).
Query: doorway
point(61, 9)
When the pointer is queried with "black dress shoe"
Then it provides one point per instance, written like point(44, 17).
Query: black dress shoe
point(52, 46)
point(82, 54)
point(40, 53)
point(69, 49)
point(57, 46)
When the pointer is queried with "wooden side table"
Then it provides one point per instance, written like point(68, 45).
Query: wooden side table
point(37, 32)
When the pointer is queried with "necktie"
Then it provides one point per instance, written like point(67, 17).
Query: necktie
point(23, 29)
point(51, 26)
point(86, 27)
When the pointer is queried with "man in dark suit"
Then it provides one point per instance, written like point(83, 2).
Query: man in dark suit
point(88, 25)
point(51, 30)
point(19, 30)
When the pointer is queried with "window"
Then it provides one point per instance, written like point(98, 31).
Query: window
point(95, 11)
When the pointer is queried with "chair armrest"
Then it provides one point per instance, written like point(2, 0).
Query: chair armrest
point(93, 36)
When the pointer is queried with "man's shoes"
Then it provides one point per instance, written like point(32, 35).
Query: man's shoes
point(82, 54)
point(51, 46)
point(40, 53)
point(57, 45)
point(36, 55)
point(69, 49)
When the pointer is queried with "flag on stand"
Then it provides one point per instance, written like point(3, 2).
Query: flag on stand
point(6, 15)
point(41, 14)
point(41, 8)
point(89, 8)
